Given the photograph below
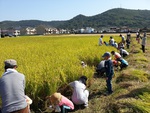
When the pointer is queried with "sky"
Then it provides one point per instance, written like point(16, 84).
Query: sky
point(51, 10)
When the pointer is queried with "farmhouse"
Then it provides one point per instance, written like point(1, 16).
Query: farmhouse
point(30, 31)
point(16, 32)
point(51, 31)
point(87, 30)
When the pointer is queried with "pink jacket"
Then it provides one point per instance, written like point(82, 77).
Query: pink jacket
point(65, 101)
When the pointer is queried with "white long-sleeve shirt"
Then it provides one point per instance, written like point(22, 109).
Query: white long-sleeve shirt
point(80, 94)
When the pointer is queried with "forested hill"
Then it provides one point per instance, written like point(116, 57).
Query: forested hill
point(29, 23)
point(114, 17)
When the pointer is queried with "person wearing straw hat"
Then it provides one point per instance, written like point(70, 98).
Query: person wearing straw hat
point(60, 103)
point(12, 89)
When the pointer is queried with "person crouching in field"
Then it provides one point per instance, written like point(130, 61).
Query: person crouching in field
point(80, 94)
point(12, 89)
point(123, 64)
point(111, 41)
point(101, 68)
point(60, 103)
point(109, 71)
point(123, 52)
point(117, 56)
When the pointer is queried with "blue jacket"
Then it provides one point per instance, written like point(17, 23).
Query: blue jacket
point(109, 68)
point(123, 61)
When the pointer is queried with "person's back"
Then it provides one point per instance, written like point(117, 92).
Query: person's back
point(101, 65)
point(112, 41)
point(117, 55)
point(80, 94)
point(144, 41)
point(115, 45)
point(123, 52)
point(12, 85)
point(101, 68)
point(12, 91)
point(124, 64)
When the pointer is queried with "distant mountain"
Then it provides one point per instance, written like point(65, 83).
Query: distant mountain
point(112, 18)
point(29, 23)
point(115, 17)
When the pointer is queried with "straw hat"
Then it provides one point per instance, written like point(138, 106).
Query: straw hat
point(55, 98)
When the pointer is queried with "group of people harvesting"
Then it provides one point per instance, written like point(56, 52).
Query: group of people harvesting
point(107, 65)
point(12, 83)
point(14, 100)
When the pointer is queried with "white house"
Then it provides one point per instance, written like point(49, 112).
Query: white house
point(82, 30)
point(51, 31)
point(16, 32)
point(89, 30)
point(30, 31)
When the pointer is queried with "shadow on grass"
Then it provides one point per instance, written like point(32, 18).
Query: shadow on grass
point(135, 93)
point(123, 108)
point(95, 94)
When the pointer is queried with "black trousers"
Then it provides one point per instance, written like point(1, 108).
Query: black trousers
point(143, 48)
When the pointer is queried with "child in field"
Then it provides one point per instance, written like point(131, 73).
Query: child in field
point(109, 71)
point(60, 103)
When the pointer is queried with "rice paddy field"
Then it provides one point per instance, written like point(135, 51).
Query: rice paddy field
point(49, 62)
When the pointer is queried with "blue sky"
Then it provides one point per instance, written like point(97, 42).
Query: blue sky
point(48, 10)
